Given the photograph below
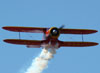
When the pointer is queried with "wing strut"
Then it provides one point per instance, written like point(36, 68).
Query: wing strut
point(82, 38)
point(19, 36)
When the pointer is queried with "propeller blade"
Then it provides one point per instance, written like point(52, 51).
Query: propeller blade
point(62, 27)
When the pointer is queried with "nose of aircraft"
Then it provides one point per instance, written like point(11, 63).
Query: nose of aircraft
point(55, 31)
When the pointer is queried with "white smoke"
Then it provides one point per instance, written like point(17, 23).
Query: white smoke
point(41, 62)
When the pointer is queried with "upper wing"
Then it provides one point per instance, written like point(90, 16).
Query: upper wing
point(43, 30)
point(25, 29)
point(77, 44)
point(77, 31)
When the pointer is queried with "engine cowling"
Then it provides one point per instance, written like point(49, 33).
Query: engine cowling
point(53, 32)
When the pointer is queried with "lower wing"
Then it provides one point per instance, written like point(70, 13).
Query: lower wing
point(77, 44)
point(34, 43)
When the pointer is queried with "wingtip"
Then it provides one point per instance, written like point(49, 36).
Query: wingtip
point(93, 43)
point(11, 41)
point(6, 40)
point(95, 31)
point(96, 43)
point(92, 31)
point(5, 27)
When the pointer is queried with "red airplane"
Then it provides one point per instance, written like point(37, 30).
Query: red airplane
point(50, 37)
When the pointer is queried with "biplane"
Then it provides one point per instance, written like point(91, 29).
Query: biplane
point(50, 38)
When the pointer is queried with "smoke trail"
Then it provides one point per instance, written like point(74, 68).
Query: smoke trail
point(41, 62)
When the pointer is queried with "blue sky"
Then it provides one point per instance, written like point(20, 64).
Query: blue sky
point(48, 13)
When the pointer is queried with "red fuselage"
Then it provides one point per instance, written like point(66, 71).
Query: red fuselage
point(51, 36)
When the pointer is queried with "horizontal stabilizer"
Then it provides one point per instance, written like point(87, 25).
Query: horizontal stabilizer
point(77, 44)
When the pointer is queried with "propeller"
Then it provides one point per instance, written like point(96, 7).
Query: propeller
point(61, 27)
